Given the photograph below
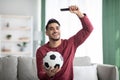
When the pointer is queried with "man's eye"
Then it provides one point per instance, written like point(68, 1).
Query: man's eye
point(58, 28)
point(50, 28)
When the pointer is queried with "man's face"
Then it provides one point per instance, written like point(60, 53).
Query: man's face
point(53, 31)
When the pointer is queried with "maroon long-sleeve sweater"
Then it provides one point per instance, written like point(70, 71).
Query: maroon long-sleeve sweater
point(67, 49)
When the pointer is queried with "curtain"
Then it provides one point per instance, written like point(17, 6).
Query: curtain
point(111, 32)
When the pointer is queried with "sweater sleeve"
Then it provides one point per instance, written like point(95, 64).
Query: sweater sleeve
point(83, 34)
point(40, 70)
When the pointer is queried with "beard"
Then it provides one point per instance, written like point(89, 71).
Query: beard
point(53, 39)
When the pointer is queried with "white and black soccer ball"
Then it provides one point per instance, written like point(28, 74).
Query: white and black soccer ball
point(53, 59)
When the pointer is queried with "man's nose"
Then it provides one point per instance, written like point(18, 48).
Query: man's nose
point(55, 30)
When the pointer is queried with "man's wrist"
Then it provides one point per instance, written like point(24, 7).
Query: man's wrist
point(80, 14)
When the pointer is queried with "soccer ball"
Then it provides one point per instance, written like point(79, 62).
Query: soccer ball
point(53, 59)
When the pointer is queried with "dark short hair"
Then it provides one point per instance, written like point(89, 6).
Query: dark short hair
point(52, 21)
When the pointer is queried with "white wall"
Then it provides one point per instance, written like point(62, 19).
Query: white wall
point(25, 8)
point(70, 24)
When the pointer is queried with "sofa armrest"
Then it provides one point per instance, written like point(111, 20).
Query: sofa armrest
point(107, 72)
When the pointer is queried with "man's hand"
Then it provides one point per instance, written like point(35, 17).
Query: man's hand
point(51, 72)
point(75, 9)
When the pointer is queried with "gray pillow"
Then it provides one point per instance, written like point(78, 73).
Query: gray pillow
point(8, 68)
point(27, 68)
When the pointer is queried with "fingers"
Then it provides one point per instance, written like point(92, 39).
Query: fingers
point(51, 72)
point(73, 8)
point(57, 69)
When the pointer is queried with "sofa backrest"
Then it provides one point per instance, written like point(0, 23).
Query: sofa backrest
point(82, 61)
point(8, 68)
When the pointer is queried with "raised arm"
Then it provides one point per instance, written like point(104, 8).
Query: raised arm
point(87, 27)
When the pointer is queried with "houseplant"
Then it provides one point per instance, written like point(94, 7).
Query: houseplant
point(22, 45)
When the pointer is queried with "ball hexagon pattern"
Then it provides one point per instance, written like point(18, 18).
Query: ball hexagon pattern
point(53, 59)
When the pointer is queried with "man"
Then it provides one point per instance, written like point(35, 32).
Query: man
point(66, 48)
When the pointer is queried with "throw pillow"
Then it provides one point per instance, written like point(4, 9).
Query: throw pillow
point(27, 68)
point(85, 72)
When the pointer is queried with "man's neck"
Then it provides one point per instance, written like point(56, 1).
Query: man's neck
point(54, 44)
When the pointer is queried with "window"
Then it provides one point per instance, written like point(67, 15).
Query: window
point(70, 24)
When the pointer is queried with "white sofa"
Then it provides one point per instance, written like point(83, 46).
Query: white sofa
point(90, 71)
point(24, 68)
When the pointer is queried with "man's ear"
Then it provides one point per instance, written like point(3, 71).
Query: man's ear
point(46, 33)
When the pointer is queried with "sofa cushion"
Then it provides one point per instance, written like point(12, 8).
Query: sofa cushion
point(27, 68)
point(8, 68)
point(85, 72)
